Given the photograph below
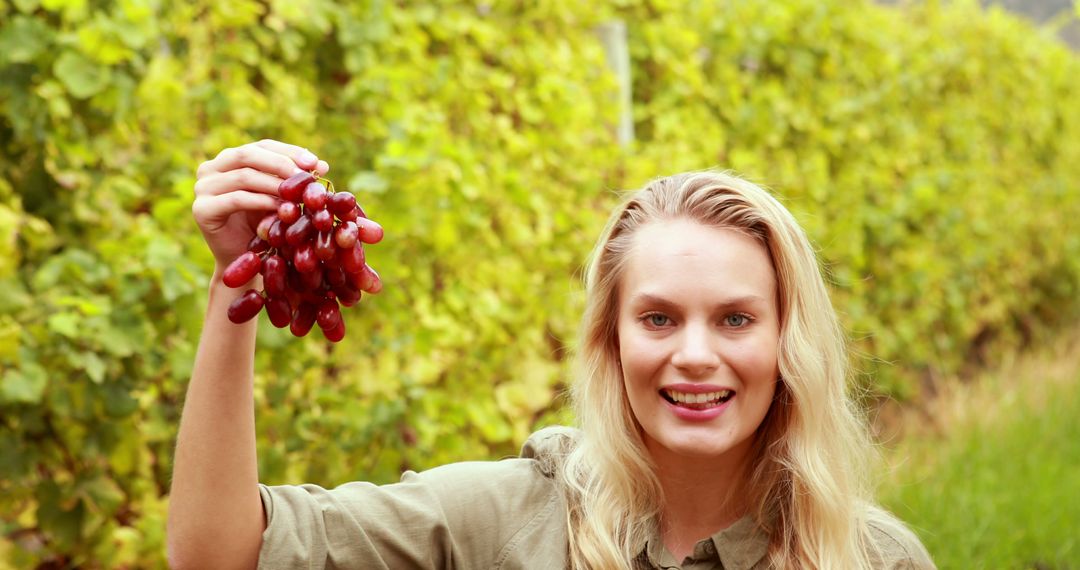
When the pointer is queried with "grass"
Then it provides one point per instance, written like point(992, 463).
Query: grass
point(988, 473)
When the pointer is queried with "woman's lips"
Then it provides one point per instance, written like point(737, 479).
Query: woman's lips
point(698, 411)
point(697, 398)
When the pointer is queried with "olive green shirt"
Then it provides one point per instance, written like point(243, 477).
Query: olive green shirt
point(477, 515)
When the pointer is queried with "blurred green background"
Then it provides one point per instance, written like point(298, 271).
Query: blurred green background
point(932, 151)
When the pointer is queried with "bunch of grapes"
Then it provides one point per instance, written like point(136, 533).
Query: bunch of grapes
point(311, 256)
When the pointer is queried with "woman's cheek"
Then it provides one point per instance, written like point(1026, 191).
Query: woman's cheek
point(639, 356)
point(755, 357)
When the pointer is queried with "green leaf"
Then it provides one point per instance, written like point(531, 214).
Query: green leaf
point(59, 515)
point(66, 324)
point(125, 456)
point(174, 283)
point(56, 5)
point(9, 232)
point(91, 363)
point(118, 402)
point(10, 333)
point(81, 77)
point(37, 234)
point(15, 457)
point(27, 6)
point(120, 341)
point(102, 492)
point(367, 181)
point(23, 38)
point(23, 385)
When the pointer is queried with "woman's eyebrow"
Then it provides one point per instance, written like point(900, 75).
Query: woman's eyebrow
point(658, 301)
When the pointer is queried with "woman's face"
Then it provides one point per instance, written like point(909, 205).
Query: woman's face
point(698, 334)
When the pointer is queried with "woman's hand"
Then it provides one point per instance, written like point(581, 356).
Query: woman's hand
point(239, 187)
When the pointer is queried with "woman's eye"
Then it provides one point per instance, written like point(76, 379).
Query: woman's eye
point(736, 320)
point(656, 319)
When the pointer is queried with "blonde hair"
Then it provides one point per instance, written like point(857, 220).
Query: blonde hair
point(808, 480)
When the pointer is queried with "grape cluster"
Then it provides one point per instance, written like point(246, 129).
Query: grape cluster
point(311, 256)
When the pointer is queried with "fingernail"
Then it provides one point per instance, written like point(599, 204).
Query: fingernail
point(309, 158)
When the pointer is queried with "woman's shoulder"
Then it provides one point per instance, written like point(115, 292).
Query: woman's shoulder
point(549, 446)
point(529, 476)
point(894, 544)
point(508, 510)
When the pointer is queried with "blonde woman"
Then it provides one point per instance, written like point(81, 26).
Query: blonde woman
point(715, 428)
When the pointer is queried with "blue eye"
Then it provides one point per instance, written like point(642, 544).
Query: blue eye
point(656, 319)
point(736, 320)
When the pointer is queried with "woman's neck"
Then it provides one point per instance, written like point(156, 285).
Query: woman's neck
point(702, 496)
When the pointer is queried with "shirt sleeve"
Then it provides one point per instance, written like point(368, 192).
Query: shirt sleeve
point(897, 547)
point(459, 515)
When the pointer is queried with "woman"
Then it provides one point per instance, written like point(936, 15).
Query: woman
point(715, 427)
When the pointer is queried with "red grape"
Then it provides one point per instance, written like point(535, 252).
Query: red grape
point(323, 220)
point(246, 306)
point(346, 234)
point(370, 230)
point(258, 245)
point(315, 196)
point(368, 281)
point(347, 295)
point(279, 311)
point(263, 229)
point(305, 259)
point(335, 334)
point(300, 231)
point(291, 188)
point(352, 259)
point(303, 319)
point(276, 234)
point(349, 216)
point(341, 203)
point(274, 275)
point(288, 212)
point(242, 269)
point(329, 315)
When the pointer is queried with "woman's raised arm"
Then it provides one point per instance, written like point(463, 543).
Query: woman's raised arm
point(216, 517)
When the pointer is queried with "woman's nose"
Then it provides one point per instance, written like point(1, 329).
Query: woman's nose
point(696, 352)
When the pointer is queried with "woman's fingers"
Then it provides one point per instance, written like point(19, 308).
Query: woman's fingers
point(301, 156)
point(212, 211)
point(245, 178)
point(251, 156)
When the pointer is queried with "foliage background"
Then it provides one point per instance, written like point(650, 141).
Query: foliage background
point(931, 151)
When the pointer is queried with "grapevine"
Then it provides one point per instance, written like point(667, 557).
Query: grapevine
point(310, 253)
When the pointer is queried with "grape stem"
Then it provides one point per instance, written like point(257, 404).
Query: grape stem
point(326, 181)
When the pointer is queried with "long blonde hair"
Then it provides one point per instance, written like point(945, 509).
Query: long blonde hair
point(808, 480)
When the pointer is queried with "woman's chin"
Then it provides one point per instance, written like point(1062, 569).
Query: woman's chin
point(699, 445)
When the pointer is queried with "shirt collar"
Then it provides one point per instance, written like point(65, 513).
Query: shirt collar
point(738, 547)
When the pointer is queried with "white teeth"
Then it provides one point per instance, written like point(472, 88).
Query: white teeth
point(687, 398)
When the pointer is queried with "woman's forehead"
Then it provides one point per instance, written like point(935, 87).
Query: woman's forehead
point(681, 261)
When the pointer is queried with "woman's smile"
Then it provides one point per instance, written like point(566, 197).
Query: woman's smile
point(697, 402)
